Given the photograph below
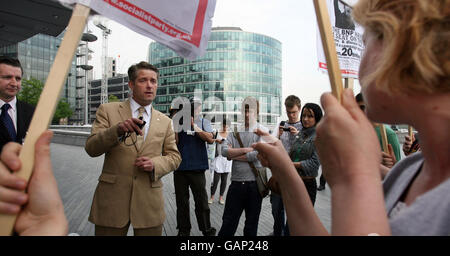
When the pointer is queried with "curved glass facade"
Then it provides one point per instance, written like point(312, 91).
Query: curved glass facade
point(236, 64)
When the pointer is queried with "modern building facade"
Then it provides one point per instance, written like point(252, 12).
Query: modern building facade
point(236, 64)
point(36, 54)
point(117, 86)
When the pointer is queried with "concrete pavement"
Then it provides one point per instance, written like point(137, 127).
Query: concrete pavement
point(77, 175)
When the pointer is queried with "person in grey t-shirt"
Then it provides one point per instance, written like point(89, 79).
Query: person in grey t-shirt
point(243, 192)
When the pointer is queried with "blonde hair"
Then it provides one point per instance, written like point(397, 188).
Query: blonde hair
point(415, 36)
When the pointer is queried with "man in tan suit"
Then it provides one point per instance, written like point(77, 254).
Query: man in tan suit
point(129, 188)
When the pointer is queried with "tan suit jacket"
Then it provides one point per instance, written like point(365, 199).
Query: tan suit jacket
point(125, 193)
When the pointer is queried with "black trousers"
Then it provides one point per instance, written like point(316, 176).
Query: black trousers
point(311, 188)
point(183, 180)
point(223, 183)
point(242, 196)
point(322, 180)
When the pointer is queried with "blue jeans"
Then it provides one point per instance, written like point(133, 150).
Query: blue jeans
point(241, 196)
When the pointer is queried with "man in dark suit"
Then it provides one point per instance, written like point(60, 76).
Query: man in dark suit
point(15, 116)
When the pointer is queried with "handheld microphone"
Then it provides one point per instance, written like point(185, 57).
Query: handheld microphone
point(141, 125)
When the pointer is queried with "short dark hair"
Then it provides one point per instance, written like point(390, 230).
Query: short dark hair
point(11, 62)
point(359, 97)
point(292, 101)
point(132, 71)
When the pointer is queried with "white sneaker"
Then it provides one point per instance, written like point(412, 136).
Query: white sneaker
point(210, 201)
point(221, 201)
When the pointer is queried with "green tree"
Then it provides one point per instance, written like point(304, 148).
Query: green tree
point(31, 90)
point(113, 98)
point(63, 110)
point(30, 93)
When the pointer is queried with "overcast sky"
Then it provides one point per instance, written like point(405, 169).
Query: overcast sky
point(293, 22)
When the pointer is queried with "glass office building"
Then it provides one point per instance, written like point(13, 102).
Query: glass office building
point(36, 55)
point(117, 86)
point(236, 64)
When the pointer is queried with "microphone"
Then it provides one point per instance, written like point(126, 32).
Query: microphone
point(143, 124)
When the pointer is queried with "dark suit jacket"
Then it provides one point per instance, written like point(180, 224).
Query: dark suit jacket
point(24, 114)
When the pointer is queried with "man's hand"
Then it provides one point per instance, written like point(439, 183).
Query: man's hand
point(43, 212)
point(293, 130)
point(280, 131)
point(219, 141)
point(130, 125)
point(144, 163)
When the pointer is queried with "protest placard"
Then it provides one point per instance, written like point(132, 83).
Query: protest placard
point(347, 38)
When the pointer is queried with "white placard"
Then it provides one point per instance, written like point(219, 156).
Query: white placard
point(182, 25)
point(347, 37)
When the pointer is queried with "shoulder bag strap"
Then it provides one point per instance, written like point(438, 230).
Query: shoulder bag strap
point(238, 137)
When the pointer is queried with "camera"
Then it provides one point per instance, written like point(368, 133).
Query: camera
point(282, 123)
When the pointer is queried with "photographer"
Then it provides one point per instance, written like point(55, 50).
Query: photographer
point(191, 172)
point(287, 133)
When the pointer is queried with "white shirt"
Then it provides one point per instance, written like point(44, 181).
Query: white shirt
point(147, 115)
point(12, 111)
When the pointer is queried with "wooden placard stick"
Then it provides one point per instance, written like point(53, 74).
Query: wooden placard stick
point(384, 141)
point(410, 131)
point(48, 100)
point(329, 48)
point(348, 82)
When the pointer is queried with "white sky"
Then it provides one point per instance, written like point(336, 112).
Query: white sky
point(292, 22)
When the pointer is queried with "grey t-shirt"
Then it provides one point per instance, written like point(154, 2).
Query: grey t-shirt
point(429, 214)
point(241, 171)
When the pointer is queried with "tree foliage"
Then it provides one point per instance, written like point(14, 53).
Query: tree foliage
point(113, 98)
point(30, 93)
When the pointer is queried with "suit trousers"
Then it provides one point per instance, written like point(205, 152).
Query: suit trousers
point(183, 180)
point(109, 231)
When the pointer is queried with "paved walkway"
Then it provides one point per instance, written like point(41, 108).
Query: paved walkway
point(77, 175)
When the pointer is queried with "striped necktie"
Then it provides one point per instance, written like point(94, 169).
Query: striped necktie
point(140, 139)
point(7, 121)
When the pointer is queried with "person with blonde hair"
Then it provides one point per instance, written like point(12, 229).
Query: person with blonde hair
point(407, 59)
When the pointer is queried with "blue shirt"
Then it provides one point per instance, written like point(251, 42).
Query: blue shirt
point(194, 156)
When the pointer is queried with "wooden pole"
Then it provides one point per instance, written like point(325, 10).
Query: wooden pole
point(48, 100)
point(348, 83)
point(329, 47)
point(384, 141)
point(410, 131)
